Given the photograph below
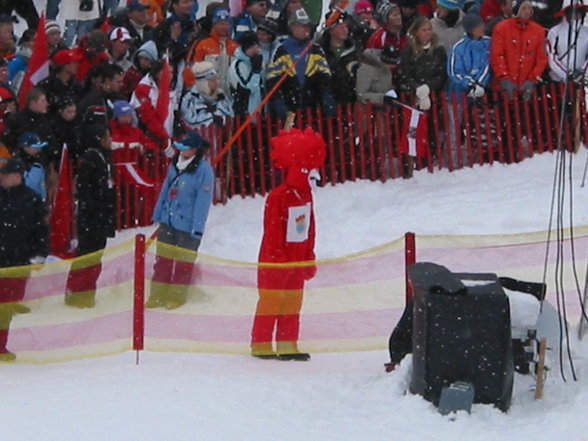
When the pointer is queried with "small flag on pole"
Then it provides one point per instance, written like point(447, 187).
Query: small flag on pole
point(415, 133)
point(62, 211)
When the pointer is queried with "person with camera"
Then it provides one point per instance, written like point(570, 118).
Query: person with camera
point(245, 75)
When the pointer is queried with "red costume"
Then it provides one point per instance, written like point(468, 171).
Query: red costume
point(289, 235)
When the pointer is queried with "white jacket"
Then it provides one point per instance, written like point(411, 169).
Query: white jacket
point(557, 51)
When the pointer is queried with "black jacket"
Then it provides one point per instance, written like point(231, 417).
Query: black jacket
point(343, 71)
point(23, 229)
point(57, 91)
point(95, 191)
point(429, 67)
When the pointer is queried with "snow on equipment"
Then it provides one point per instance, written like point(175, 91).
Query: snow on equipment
point(468, 335)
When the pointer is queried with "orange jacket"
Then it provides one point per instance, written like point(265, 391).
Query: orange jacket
point(206, 50)
point(517, 51)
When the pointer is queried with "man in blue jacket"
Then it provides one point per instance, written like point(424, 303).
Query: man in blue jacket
point(181, 210)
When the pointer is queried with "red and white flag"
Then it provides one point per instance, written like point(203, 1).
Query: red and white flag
point(414, 140)
point(62, 211)
point(38, 68)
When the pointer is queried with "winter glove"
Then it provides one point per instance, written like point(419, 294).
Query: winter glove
point(527, 89)
point(256, 62)
point(424, 103)
point(508, 87)
point(37, 260)
point(211, 108)
point(577, 76)
point(390, 97)
point(169, 151)
point(218, 120)
point(476, 91)
point(423, 92)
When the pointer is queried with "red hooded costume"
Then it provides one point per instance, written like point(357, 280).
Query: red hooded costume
point(288, 236)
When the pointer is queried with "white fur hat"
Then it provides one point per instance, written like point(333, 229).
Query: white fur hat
point(203, 70)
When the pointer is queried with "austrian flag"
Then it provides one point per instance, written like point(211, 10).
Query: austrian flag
point(414, 140)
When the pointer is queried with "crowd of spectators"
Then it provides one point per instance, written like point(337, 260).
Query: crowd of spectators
point(222, 64)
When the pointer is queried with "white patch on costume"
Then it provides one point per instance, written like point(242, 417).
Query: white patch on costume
point(298, 223)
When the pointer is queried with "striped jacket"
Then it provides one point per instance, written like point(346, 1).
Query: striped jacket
point(309, 85)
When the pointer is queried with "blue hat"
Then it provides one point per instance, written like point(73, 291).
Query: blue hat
point(221, 14)
point(30, 139)
point(121, 107)
point(451, 5)
point(191, 140)
point(136, 5)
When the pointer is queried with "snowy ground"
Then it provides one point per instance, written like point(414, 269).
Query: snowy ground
point(342, 396)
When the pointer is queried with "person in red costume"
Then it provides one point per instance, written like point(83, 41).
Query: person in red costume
point(288, 236)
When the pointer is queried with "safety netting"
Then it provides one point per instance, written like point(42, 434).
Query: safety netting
point(352, 302)
point(38, 326)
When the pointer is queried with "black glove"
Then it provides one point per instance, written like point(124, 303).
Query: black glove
point(211, 108)
point(527, 89)
point(218, 120)
point(577, 76)
point(256, 62)
point(508, 87)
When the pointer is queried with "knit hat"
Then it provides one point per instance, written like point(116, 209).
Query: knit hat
point(268, 25)
point(203, 70)
point(248, 39)
point(52, 26)
point(65, 56)
point(341, 18)
point(470, 21)
point(30, 139)
point(191, 140)
point(363, 7)
point(221, 14)
point(12, 165)
point(450, 5)
point(299, 16)
point(383, 10)
point(121, 107)
point(516, 5)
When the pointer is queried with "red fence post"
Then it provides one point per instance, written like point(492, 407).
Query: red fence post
point(409, 259)
point(139, 294)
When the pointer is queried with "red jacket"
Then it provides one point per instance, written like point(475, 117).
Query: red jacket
point(288, 236)
point(128, 142)
point(517, 51)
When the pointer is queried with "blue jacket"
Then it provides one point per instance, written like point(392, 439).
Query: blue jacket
point(34, 178)
point(185, 197)
point(468, 64)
